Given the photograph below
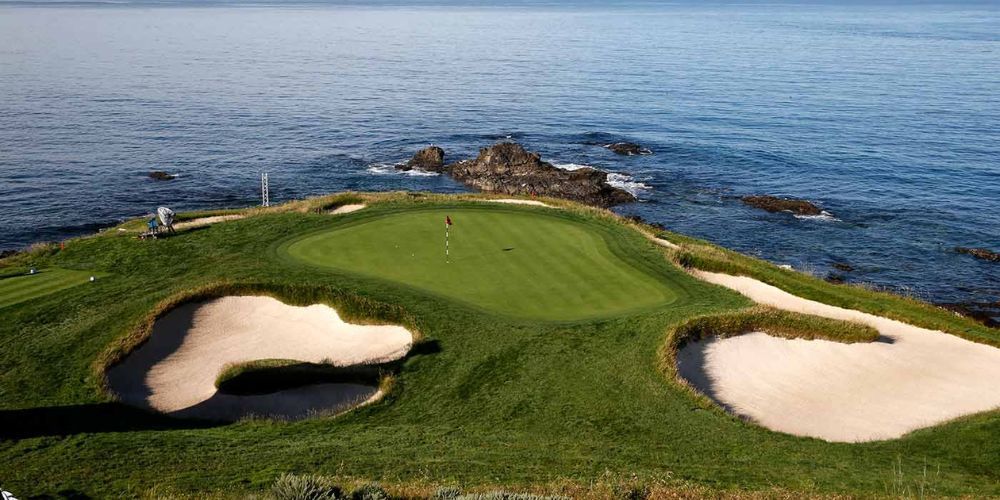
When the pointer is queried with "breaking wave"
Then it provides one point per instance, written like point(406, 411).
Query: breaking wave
point(390, 169)
point(628, 183)
point(618, 180)
point(823, 216)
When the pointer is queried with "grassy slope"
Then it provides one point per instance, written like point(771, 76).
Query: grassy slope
point(703, 255)
point(502, 259)
point(16, 289)
point(505, 401)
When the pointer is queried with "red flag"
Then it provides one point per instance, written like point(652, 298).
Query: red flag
point(447, 220)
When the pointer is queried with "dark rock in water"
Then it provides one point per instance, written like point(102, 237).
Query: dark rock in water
point(639, 220)
point(983, 312)
point(843, 266)
point(836, 278)
point(161, 176)
point(775, 204)
point(628, 149)
point(980, 253)
point(508, 169)
point(430, 159)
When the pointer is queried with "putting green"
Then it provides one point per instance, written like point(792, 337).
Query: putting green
point(513, 261)
point(21, 288)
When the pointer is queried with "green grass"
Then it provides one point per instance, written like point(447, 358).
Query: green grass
point(511, 261)
point(504, 402)
point(17, 289)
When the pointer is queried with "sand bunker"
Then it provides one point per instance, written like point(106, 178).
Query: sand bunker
point(207, 221)
point(514, 201)
point(910, 378)
point(346, 209)
point(175, 371)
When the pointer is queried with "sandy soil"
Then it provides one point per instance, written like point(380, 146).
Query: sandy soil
point(207, 221)
point(910, 378)
point(514, 201)
point(346, 209)
point(664, 243)
point(175, 371)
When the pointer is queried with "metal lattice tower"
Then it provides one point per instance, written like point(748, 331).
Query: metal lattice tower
point(265, 195)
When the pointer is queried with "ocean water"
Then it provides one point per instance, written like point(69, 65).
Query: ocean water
point(886, 116)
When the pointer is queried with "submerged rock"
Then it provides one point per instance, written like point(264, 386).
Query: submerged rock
point(835, 278)
point(628, 149)
point(983, 312)
point(638, 219)
point(843, 266)
point(508, 168)
point(775, 204)
point(980, 253)
point(430, 159)
point(161, 176)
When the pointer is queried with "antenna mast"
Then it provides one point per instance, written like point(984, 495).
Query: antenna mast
point(265, 196)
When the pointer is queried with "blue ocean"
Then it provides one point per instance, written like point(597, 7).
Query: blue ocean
point(886, 116)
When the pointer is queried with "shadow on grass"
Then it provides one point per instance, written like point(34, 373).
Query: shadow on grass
point(87, 418)
point(280, 377)
point(117, 417)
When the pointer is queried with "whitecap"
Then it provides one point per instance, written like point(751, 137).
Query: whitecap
point(570, 166)
point(823, 216)
point(390, 169)
point(628, 183)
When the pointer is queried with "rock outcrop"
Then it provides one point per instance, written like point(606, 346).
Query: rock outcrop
point(775, 204)
point(430, 159)
point(507, 168)
point(161, 176)
point(628, 148)
point(980, 253)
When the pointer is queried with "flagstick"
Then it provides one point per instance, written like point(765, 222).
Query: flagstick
point(447, 256)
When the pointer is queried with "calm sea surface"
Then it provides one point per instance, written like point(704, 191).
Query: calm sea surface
point(888, 117)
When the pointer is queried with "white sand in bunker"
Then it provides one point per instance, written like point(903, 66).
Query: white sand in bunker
point(207, 221)
point(910, 378)
point(514, 201)
point(346, 209)
point(175, 370)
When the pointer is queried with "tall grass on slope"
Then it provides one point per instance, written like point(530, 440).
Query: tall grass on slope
point(701, 255)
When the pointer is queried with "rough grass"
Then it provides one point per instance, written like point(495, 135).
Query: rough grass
point(707, 257)
point(270, 375)
point(502, 404)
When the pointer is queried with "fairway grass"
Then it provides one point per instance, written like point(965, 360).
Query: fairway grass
point(17, 289)
point(515, 262)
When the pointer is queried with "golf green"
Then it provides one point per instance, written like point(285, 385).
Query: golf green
point(519, 262)
point(21, 288)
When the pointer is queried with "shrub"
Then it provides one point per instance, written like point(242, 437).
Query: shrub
point(370, 491)
point(309, 487)
point(447, 493)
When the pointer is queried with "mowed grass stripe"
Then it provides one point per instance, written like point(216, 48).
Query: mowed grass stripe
point(19, 289)
point(514, 261)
